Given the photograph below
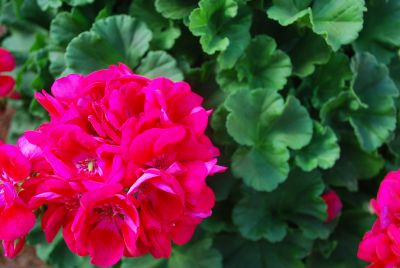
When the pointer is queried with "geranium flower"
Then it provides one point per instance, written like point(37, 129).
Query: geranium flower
point(121, 167)
point(333, 203)
point(7, 64)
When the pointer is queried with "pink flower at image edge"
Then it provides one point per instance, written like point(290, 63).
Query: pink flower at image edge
point(7, 64)
point(380, 246)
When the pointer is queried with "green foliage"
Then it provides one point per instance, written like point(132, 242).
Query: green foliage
point(199, 254)
point(305, 99)
point(265, 127)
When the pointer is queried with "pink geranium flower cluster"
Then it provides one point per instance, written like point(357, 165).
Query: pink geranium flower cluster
point(120, 168)
point(381, 245)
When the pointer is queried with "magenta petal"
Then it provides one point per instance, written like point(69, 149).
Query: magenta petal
point(52, 221)
point(67, 88)
point(183, 232)
point(7, 61)
point(7, 84)
point(130, 238)
point(168, 137)
point(16, 221)
point(100, 194)
point(106, 246)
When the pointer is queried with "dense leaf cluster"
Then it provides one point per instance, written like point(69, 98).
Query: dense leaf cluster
point(305, 99)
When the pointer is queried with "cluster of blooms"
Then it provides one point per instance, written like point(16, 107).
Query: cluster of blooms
point(120, 168)
point(7, 82)
point(381, 245)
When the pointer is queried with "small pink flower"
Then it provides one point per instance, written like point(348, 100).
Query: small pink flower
point(7, 64)
point(333, 203)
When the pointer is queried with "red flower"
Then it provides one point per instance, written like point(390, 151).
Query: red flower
point(333, 203)
point(7, 64)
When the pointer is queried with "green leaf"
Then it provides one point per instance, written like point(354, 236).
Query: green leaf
point(374, 123)
point(246, 109)
point(159, 63)
point(228, 80)
point(288, 11)
point(325, 86)
point(78, 2)
point(293, 128)
point(394, 68)
point(209, 21)
point(263, 65)
point(349, 232)
point(239, 252)
point(146, 261)
point(260, 119)
point(46, 4)
point(268, 215)
point(380, 34)
point(339, 21)
point(260, 116)
point(199, 254)
point(309, 50)
point(175, 9)
point(220, 220)
point(323, 150)
point(196, 255)
point(218, 125)
point(115, 39)
point(57, 63)
point(165, 32)
point(238, 33)
point(65, 26)
point(261, 167)
point(354, 164)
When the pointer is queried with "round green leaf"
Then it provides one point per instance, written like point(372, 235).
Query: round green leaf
point(262, 167)
point(288, 11)
point(380, 35)
point(209, 21)
point(374, 87)
point(323, 150)
point(196, 255)
point(164, 31)
point(339, 21)
point(263, 65)
point(354, 164)
point(159, 63)
point(175, 9)
point(65, 26)
point(293, 128)
point(239, 252)
point(246, 111)
point(115, 39)
point(309, 50)
point(268, 215)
